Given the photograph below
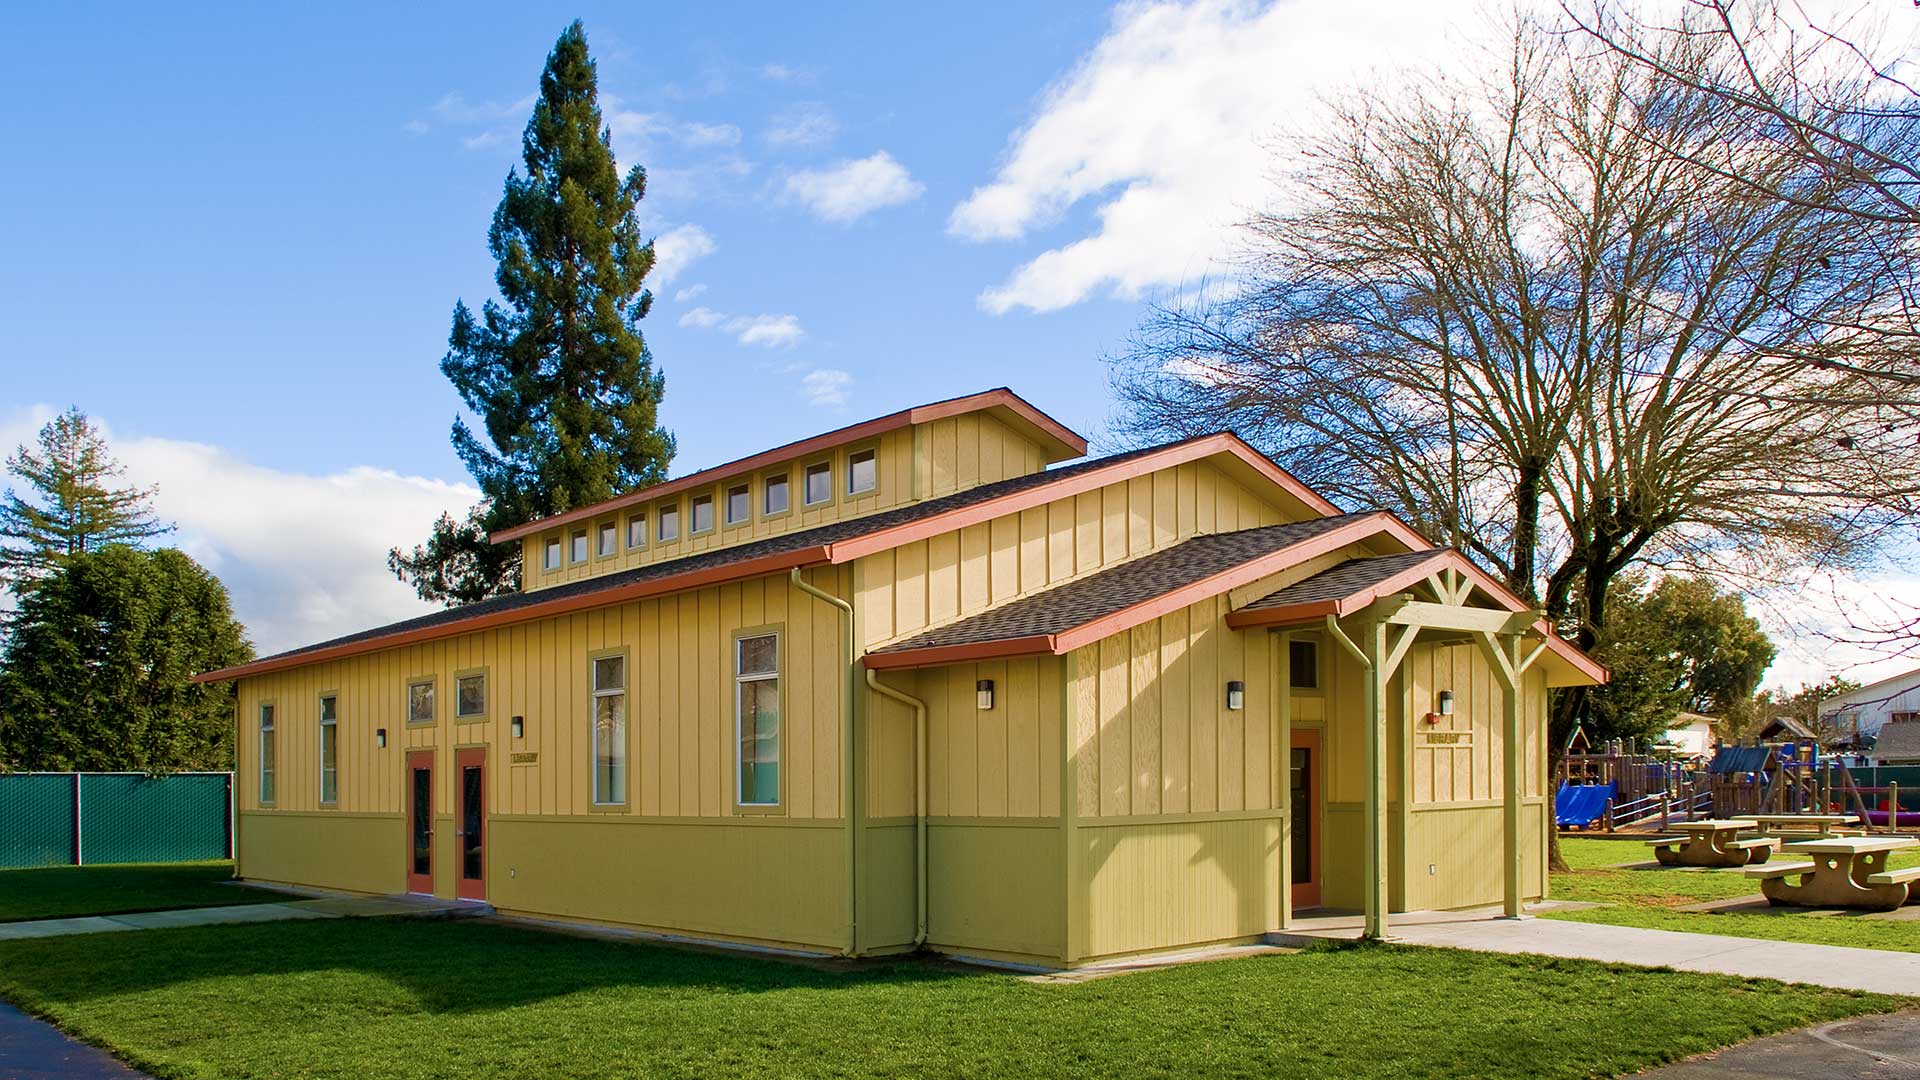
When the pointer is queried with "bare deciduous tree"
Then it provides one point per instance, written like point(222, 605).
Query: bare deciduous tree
point(1570, 315)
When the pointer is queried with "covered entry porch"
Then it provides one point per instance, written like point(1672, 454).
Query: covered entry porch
point(1433, 746)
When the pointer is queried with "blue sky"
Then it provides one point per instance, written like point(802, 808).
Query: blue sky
point(278, 210)
point(235, 235)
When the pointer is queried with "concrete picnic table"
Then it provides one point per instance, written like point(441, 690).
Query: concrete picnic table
point(1770, 824)
point(1845, 871)
point(1712, 842)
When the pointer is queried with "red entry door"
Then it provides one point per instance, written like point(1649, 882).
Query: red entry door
point(420, 821)
point(1303, 778)
point(470, 823)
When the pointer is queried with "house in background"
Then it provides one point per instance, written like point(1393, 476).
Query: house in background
point(904, 684)
point(1865, 717)
point(1691, 733)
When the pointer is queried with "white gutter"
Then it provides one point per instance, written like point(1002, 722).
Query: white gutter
point(919, 798)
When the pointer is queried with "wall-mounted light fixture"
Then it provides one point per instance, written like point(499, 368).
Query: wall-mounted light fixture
point(983, 694)
point(380, 738)
point(519, 727)
point(1444, 706)
point(1236, 695)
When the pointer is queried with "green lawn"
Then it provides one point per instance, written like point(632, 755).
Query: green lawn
point(58, 892)
point(1649, 898)
point(368, 999)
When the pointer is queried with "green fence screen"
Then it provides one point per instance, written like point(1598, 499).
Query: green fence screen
point(60, 819)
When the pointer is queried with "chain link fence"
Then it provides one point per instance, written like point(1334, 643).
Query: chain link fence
point(70, 819)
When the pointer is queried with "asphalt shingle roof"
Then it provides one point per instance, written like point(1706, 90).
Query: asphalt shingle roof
point(785, 543)
point(1898, 741)
point(1105, 592)
point(1343, 580)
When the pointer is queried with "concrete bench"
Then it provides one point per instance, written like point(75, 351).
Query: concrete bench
point(1779, 870)
point(1755, 842)
point(1666, 841)
point(1895, 877)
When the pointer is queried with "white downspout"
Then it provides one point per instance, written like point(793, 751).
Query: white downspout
point(919, 798)
point(847, 788)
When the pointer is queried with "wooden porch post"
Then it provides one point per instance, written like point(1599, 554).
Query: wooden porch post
point(1376, 717)
point(1510, 799)
point(1285, 743)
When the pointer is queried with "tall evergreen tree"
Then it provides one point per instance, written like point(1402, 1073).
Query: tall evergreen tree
point(558, 374)
point(98, 670)
point(72, 505)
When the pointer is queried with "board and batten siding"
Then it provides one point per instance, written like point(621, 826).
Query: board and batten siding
point(679, 714)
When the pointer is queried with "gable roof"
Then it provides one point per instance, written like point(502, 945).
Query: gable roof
point(1060, 442)
point(1345, 589)
point(835, 542)
point(1115, 599)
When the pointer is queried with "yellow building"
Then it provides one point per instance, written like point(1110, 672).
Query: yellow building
point(909, 683)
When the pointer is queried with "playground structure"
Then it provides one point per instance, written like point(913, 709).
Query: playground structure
point(1621, 789)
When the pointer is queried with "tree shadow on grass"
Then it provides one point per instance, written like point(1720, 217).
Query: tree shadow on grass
point(446, 966)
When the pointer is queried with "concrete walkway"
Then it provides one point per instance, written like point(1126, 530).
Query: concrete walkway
point(1484, 931)
point(336, 907)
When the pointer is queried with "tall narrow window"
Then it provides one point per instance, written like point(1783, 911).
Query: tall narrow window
point(552, 561)
point(577, 546)
point(329, 749)
point(757, 718)
point(776, 495)
point(470, 697)
point(699, 514)
point(610, 729)
point(609, 541)
point(863, 472)
point(668, 518)
point(739, 503)
point(420, 704)
point(1303, 665)
point(819, 483)
point(637, 531)
point(266, 753)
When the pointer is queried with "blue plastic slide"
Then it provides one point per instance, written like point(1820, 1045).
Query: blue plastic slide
point(1580, 805)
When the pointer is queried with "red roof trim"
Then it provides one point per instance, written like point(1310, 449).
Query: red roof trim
point(866, 429)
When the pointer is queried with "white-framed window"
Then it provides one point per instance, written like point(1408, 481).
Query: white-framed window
point(699, 514)
point(329, 749)
point(266, 752)
point(552, 559)
point(739, 503)
point(610, 729)
point(863, 472)
point(667, 522)
point(609, 539)
point(775, 498)
point(636, 531)
point(470, 696)
point(577, 546)
point(420, 702)
point(818, 483)
point(757, 718)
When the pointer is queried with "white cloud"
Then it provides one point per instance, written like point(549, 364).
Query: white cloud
point(826, 387)
point(765, 331)
point(1164, 123)
point(1825, 625)
point(849, 190)
point(697, 134)
point(689, 293)
point(678, 248)
point(805, 123)
point(777, 72)
point(304, 556)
